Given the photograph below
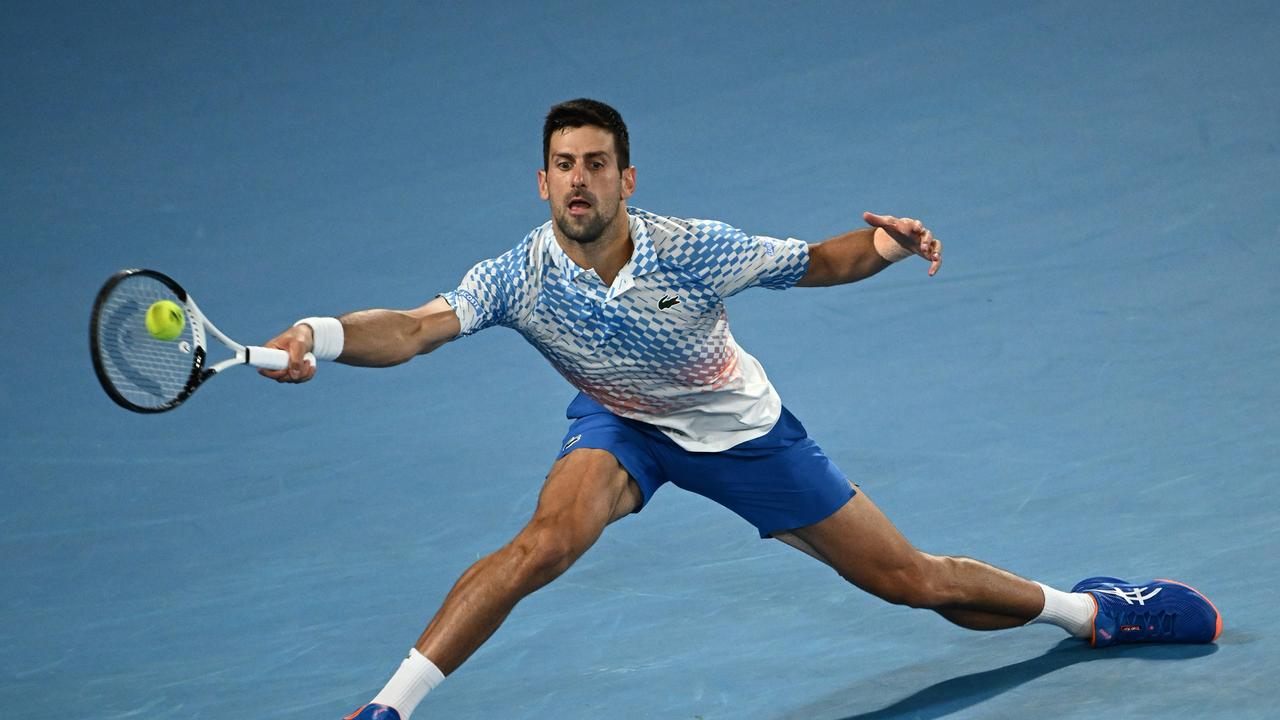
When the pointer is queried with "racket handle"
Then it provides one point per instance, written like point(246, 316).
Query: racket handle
point(271, 358)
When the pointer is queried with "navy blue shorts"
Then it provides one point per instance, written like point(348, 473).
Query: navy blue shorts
point(777, 482)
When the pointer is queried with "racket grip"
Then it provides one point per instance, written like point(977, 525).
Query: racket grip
point(271, 358)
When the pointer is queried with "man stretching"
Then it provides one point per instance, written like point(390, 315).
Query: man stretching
point(628, 306)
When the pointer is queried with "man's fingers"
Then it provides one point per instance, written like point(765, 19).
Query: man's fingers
point(288, 376)
point(280, 376)
point(300, 369)
point(308, 370)
point(296, 341)
point(883, 221)
point(911, 234)
point(902, 226)
point(305, 372)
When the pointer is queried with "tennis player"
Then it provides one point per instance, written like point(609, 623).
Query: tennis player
point(628, 306)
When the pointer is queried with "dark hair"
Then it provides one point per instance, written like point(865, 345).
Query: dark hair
point(584, 111)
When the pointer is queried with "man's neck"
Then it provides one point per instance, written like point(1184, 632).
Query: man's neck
point(607, 254)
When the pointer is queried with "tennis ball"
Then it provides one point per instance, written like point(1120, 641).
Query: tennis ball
point(165, 320)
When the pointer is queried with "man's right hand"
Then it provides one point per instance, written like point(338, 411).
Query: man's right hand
point(297, 341)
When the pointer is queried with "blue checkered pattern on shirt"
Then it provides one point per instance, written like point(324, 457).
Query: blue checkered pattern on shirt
point(629, 346)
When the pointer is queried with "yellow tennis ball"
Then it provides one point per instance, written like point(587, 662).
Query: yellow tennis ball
point(165, 320)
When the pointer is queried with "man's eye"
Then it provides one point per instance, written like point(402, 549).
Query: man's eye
point(563, 165)
point(597, 165)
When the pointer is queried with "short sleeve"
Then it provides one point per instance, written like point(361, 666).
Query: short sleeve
point(731, 261)
point(489, 292)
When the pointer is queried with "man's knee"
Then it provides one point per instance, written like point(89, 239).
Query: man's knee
point(543, 551)
point(551, 543)
point(920, 582)
point(584, 490)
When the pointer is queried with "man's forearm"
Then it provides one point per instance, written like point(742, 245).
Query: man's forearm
point(381, 338)
point(844, 259)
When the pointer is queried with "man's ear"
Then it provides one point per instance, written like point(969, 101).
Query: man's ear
point(628, 182)
point(543, 192)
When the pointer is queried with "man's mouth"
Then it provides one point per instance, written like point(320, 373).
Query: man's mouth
point(579, 206)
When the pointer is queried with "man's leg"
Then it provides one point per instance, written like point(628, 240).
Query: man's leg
point(867, 550)
point(860, 543)
point(585, 491)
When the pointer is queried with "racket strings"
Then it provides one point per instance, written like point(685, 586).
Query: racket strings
point(147, 372)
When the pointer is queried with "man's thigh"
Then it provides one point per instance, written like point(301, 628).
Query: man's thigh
point(861, 544)
point(629, 445)
point(588, 486)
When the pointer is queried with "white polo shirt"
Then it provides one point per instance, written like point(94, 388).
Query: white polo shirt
point(655, 346)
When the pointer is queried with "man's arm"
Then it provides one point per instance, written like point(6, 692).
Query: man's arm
point(371, 338)
point(862, 253)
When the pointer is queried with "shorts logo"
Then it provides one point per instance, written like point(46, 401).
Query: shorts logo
point(572, 441)
point(668, 301)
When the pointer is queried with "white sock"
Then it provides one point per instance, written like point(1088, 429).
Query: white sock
point(416, 677)
point(1072, 612)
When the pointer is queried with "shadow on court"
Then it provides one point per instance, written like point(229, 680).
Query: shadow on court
point(965, 691)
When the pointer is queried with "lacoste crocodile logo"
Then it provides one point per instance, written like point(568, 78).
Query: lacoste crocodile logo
point(667, 302)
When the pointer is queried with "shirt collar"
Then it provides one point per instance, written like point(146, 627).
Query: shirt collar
point(559, 258)
point(644, 259)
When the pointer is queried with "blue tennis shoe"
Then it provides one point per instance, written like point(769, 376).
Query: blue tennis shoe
point(1158, 611)
point(374, 711)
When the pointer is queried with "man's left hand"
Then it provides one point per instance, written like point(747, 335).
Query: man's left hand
point(910, 234)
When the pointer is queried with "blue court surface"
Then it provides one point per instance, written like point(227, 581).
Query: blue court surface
point(1088, 387)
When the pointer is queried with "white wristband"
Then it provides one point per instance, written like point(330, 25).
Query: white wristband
point(327, 334)
point(888, 248)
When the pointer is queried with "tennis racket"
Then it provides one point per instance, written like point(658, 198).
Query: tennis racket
point(148, 375)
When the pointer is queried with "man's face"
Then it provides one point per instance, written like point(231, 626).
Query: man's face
point(583, 184)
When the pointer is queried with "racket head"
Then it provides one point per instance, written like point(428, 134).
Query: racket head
point(138, 371)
